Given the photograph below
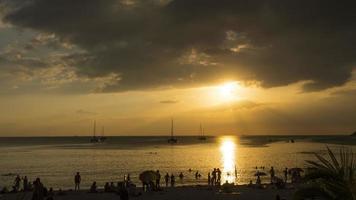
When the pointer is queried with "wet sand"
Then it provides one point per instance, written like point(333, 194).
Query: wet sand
point(178, 193)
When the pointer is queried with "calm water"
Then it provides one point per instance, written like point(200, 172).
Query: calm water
point(56, 159)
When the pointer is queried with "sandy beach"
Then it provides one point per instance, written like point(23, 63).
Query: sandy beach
point(178, 193)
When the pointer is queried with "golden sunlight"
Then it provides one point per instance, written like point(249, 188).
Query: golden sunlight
point(228, 91)
point(227, 150)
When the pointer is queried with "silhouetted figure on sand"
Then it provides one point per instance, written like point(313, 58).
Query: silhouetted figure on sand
point(219, 176)
point(17, 183)
point(196, 175)
point(172, 180)
point(107, 187)
point(213, 179)
point(25, 184)
point(50, 195)
point(258, 181)
point(77, 180)
point(209, 178)
point(285, 171)
point(166, 179)
point(123, 192)
point(158, 179)
point(272, 173)
point(181, 176)
point(93, 188)
point(128, 178)
point(38, 190)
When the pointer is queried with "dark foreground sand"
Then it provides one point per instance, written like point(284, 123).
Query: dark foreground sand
point(177, 193)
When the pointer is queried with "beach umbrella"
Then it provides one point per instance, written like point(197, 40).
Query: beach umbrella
point(295, 169)
point(260, 174)
point(148, 176)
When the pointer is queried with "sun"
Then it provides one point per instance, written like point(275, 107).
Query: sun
point(228, 91)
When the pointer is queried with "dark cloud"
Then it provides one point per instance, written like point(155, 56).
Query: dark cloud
point(152, 43)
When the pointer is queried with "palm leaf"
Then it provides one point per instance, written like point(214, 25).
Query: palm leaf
point(331, 177)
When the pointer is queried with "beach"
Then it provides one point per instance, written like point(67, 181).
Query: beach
point(242, 192)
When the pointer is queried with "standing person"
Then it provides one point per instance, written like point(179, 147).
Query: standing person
point(214, 177)
point(271, 171)
point(77, 180)
point(285, 174)
point(25, 184)
point(128, 178)
point(196, 175)
point(158, 179)
point(38, 190)
point(235, 172)
point(173, 180)
point(181, 176)
point(219, 175)
point(166, 178)
point(17, 183)
point(209, 178)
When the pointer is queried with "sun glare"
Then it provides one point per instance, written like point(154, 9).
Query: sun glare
point(227, 149)
point(228, 91)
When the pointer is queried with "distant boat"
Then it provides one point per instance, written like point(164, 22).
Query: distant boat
point(201, 137)
point(96, 139)
point(102, 137)
point(172, 140)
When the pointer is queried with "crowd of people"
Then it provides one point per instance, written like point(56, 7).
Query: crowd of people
point(127, 187)
point(215, 177)
point(293, 173)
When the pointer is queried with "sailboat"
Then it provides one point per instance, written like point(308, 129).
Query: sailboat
point(95, 139)
point(172, 140)
point(201, 137)
point(102, 137)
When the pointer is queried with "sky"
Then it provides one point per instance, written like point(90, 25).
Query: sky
point(236, 67)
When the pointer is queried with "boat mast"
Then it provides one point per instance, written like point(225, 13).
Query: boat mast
point(94, 129)
point(172, 129)
point(201, 130)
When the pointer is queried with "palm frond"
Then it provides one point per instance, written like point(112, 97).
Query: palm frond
point(331, 177)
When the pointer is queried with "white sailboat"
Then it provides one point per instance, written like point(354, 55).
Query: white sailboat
point(172, 140)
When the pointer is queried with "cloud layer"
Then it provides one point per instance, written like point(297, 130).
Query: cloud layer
point(155, 43)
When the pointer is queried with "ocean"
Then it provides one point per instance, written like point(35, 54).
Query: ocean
point(56, 159)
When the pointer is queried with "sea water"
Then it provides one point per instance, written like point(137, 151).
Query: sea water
point(56, 159)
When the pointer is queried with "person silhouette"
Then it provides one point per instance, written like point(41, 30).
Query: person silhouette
point(158, 179)
point(285, 174)
point(166, 178)
point(25, 184)
point(181, 176)
point(209, 178)
point(172, 180)
point(93, 188)
point(17, 183)
point(77, 180)
point(219, 175)
point(271, 171)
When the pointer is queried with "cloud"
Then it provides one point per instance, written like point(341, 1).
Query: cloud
point(153, 44)
point(169, 101)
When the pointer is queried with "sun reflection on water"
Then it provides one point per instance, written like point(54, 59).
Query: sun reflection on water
point(228, 150)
